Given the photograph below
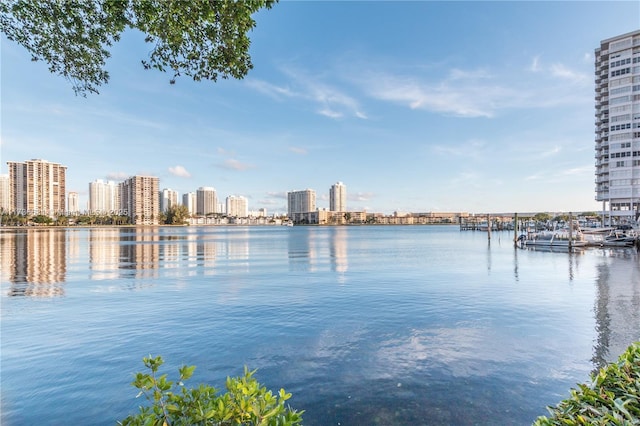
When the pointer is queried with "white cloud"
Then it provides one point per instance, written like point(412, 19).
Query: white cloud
point(117, 176)
point(298, 150)
point(179, 171)
point(331, 102)
point(233, 164)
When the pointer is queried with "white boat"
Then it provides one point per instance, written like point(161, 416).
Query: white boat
point(558, 238)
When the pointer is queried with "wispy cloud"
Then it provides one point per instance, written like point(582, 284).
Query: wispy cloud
point(233, 164)
point(179, 171)
point(298, 150)
point(329, 100)
point(360, 196)
point(117, 176)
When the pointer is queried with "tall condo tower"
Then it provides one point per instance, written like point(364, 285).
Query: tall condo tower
point(206, 201)
point(168, 198)
point(139, 199)
point(37, 187)
point(338, 197)
point(189, 200)
point(617, 102)
point(104, 197)
point(301, 201)
point(5, 196)
point(237, 206)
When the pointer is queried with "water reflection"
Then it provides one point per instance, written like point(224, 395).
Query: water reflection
point(617, 305)
point(34, 262)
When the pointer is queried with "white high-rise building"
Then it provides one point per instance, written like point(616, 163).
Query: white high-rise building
point(617, 102)
point(206, 201)
point(189, 200)
point(37, 187)
point(338, 197)
point(104, 197)
point(5, 195)
point(168, 198)
point(72, 203)
point(237, 206)
point(301, 201)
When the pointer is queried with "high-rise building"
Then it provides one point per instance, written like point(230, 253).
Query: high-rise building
point(168, 198)
point(206, 201)
point(37, 187)
point(237, 206)
point(338, 197)
point(617, 102)
point(72, 203)
point(5, 196)
point(104, 197)
point(139, 199)
point(301, 201)
point(189, 200)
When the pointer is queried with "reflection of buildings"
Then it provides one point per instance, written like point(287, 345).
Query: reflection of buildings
point(139, 251)
point(338, 250)
point(34, 262)
point(104, 252)
point(617, 307)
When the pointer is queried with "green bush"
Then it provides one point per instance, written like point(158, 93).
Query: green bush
point(246, 402)
point(613, 398)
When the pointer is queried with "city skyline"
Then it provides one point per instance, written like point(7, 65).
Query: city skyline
point(478, 107)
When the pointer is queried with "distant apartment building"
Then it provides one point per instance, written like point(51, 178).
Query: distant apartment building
point(338, 197)
point(189, 200)
point(237, 206)
point(37, 187)
point(617, 111)
point(139, 199)
point(72, 203)
point(299, 203)
point(104, 197)
point(206, 201)
point(5, 196)
point(168, 198)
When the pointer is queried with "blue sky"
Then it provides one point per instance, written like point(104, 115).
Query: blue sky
point(415, 106)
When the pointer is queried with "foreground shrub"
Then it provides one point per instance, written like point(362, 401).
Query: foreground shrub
point(246, 402)
point(613, 398)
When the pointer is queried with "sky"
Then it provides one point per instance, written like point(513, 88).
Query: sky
point(418, 106)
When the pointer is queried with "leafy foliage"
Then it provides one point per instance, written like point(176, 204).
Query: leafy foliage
point(176, 214)
point(613, 398)
point(246, 402)
point(203, 39)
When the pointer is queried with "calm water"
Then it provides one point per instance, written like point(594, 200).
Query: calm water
point(364, 325)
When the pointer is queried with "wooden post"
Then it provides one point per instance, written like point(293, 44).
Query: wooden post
point(488, 227)
point(515, 230)
point(570, 232)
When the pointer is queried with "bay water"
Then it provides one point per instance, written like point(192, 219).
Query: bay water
point(365, 325)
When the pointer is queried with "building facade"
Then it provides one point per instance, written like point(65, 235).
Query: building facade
point(206, 201)
point(104, 197)
point(5, 196)
point(139, 199)
point(617, 111)
point(300, 203)
point(168, 198)
point(237, 206)
point(72, 203)
point(189, 200)
point(338, 197)
point(37, 187)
